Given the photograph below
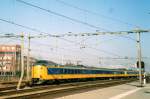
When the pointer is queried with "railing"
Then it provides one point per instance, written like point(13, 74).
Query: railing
point(9, 76)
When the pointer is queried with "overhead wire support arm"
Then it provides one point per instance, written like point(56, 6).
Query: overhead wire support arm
point(138, 42)
point(102, 33)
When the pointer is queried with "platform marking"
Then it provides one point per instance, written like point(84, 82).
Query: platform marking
point(125, 94)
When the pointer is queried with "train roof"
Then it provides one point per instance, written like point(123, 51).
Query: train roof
point(45, 62)
point(52, 64)
point(89, 68)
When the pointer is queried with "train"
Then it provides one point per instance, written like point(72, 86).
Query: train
point(46, 72)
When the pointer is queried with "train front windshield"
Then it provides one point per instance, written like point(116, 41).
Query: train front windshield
point(42, 62)
point(45, 63)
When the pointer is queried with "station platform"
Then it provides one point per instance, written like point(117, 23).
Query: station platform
point(124, 91)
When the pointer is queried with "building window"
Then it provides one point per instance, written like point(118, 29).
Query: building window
point(8, 48)
point(3, 48)
point(13, 48)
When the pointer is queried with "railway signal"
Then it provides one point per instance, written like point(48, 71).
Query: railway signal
point(142, 64)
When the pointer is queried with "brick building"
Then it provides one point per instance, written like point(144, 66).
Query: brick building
point(10, 58)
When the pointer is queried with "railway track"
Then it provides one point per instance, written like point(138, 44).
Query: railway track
point(37, 91)
point(13, 87)
point(10, 85)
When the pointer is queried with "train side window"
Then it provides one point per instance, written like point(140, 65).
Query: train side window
point(92, 71)
point(76, 71)
point(61, 71)
point(66, 71)
point(110, 72)
point(96, 71)
point(73, 71)
point(79, 71)
point(82, 71)
point(70, 71)
point(86, 71)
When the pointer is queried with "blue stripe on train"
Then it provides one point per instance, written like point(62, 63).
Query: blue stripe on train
point(80, 71)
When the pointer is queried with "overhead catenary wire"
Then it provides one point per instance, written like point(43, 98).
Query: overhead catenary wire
point(107, 52)
point(47, 34)
point(100, 50)
point(60, 38)
point(29, 4)
point(95, 13)
point(61, 15)
point(23, 26)
point(72, 50)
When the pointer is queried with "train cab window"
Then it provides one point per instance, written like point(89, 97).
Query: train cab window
point(42, 62)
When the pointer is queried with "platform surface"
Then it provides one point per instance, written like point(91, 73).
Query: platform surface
point(125, 91)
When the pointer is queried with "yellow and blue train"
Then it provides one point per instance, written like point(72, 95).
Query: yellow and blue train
point(43, 71)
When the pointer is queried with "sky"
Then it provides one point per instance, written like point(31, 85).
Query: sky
point(99, 15)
